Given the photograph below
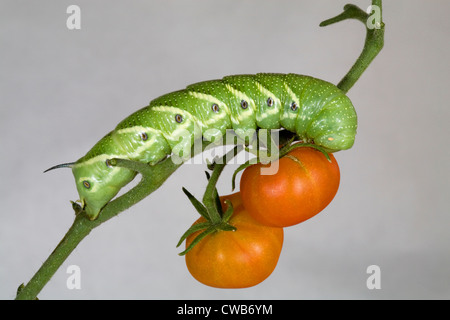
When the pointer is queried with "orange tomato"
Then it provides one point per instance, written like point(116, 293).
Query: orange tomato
point(235, 259)
point(304, 185)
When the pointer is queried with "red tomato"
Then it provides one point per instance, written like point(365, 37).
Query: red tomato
point(304, 185)
point(235, 259)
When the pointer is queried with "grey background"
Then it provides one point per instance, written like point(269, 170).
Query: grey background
point(62, 90)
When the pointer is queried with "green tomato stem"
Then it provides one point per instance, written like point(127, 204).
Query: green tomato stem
point(373, 43)
point(210, 196)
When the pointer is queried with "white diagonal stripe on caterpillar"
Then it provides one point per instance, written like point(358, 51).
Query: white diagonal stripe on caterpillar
point(268, 93)
point(210, 98)
point(294, 98)
point(137, 129)
point(99, 158)
point(241, 95)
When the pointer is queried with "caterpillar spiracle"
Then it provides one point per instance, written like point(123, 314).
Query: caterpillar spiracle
point(316, 110)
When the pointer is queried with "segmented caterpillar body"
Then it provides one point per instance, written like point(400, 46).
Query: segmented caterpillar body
point(316, 110)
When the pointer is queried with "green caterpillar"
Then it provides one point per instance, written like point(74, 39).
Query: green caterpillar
point(316, 110)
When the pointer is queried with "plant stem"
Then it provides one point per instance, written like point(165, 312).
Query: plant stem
point(373, 44)
point(80, 228)
point(209, 198)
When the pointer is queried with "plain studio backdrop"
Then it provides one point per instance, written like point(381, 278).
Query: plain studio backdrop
point(61, 90)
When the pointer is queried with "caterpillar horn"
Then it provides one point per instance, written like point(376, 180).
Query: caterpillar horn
point(62, 165)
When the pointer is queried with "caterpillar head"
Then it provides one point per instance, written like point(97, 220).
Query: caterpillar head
point(96, 184)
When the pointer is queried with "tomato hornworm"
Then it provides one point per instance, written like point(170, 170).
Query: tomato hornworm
point(316, 110)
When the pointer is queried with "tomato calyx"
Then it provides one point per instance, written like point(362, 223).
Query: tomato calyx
point(211, 208)
point(209, 226)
